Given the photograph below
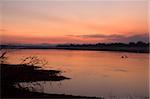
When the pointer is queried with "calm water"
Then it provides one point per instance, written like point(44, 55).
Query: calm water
point(93, 73)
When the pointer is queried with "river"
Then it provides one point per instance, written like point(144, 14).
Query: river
point(93, 73)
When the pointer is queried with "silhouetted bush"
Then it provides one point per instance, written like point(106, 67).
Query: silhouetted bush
point(34, 61)
point(3, 57)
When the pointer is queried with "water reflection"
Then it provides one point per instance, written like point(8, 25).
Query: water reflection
point(121, 70)
point(94, 73)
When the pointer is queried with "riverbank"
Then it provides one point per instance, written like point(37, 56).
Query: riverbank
point(117, 49)
point(13, 74)
point(138, 47)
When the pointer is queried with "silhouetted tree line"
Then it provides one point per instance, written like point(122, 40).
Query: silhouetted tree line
point(40, 46)
point(130, 44)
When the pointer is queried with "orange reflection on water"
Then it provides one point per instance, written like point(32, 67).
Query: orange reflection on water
point(94, 73)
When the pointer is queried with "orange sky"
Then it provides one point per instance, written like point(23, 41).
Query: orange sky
point(73, 21)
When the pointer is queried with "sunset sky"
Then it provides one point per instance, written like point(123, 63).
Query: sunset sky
point(55, 22)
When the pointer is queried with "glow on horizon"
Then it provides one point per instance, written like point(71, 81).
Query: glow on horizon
point(65, 22)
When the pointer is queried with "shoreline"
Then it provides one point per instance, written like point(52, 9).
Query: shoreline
point(130, 50)
point(13, 74)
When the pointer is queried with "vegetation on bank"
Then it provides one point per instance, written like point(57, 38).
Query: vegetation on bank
point(130, 44)
point(138, 47)
point(12, 75)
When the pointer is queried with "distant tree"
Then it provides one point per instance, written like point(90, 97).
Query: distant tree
point(140, 43)
point(132, 43)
